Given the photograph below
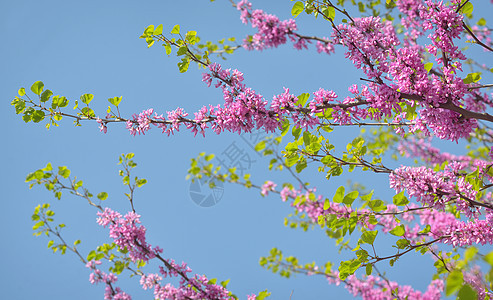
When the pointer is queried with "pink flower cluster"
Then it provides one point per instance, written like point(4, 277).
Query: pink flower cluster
point(127, 233)
point(397, 77)
point(375, 288)
point(140, 123)
point(446, 124)
point(422, 149)
point(411, 20)
point(435, 189)
point(444, 225)
point(98, 276)
point(483, 34)
point(474, 278)
point(369, 41)
point(372, 46)
point(471, 232)
point(271, 31)
point(102, 125)
point(197, 287)
point(448, 26)
point(325, 47)
point(267, 187)
point(243, 110)
point(286, 103)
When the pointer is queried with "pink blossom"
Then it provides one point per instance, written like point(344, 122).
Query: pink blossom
point(127, 233)
point(102, 125)
point(267, 187)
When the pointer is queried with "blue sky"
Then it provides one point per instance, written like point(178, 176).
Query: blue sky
point(93, 47)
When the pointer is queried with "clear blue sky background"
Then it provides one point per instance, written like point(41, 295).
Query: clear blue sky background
point(93, 47)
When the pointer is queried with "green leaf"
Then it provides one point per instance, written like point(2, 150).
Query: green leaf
point(297, 9)
point(91, 255)
point(262, 295)
point(314, 147)
point(361, 7)
point(30, 176)
point(115, 100)
point(21, 92)
point(301, 165)
point(150, 41)
point(398, 231)
point(141, 182)
point(400, 199)
point(349, 198)
point(347, 268)
point(62, 101)
point(302, 99)
point(339, 196)
point(224, 283)
point(369, 236)
point(372, 220)
point(402, 243)
point(358, 142)
point(454, 282)
point(306, 138)
point(45, 96)
point(37, 87)
point(191, 37)
point(102, 196)
point(472, 77)
point(467, 8)
point(326, 204)
point(167, 48)
point(38, 224)
point(182, 50)
point(377, 205)
point(27, 114)
point(141, 263)
point(285, 127)
point(158, 30)
point(296, 131)
point(369, 269)
point(487, 258)
point(480, 22)
point(367, 197)
point(38, 116)
point(426, 229)
point(466, 292)
point(86, 98)
point(260, 146)
point(428, 66)
point(64, 172)
point(470, 253)
point(183, 65)
point(176, 29)
point(86, 111)
point(329, 12)
point(149, 30)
